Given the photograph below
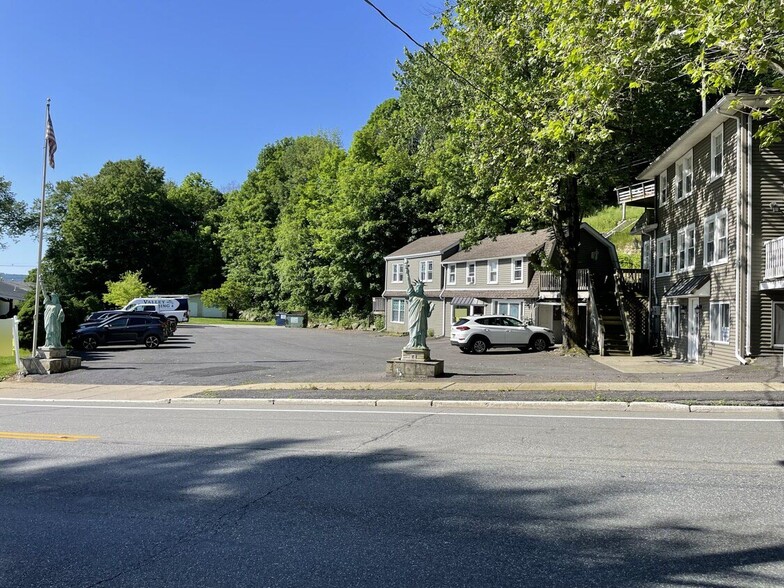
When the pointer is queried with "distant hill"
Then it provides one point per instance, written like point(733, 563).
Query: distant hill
point(12, 277)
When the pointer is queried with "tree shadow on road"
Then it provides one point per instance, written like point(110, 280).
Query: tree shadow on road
point(281, 512)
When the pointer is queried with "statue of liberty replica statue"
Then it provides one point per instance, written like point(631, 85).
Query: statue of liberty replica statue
point(414, 360)
point(419, 309)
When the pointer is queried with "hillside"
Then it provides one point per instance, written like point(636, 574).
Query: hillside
point(608, 222)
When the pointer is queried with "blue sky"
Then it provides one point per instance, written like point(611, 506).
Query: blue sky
point(188, 85)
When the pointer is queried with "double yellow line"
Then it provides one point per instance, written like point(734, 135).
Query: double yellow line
point(44, 436)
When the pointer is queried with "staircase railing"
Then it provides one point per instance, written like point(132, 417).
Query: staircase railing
point(597, 324)
point(620, 296)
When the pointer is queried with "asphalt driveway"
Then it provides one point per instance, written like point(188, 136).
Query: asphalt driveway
point(228, 355)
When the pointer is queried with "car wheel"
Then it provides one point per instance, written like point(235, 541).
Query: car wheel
point(172, 324)
point(465, 349)
point(479, 345)
point(89, 343)
point(539, 343)
point(151, 341)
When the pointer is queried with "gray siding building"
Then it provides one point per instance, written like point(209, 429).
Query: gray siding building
point(713, 237)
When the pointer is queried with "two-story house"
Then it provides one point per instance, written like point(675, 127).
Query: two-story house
point(497, 276)
point(424, 257)
point(713, 236)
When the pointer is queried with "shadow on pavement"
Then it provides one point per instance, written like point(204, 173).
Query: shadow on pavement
point(263, 514)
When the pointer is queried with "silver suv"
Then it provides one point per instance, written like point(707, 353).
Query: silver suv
point(477, 334)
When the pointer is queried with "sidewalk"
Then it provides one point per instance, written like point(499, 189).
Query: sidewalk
point(432, 392)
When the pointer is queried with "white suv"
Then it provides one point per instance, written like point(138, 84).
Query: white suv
point(477, 334)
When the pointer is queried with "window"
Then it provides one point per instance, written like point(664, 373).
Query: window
point(778, 324)
point(397, 273)
point(720, 322)
point(662, 188)
point(663, 256)
point(646, 253)
point(686, 255)
point(508, 308)
point(398, 310)
point(673, 321)
point(492, 271)
point(518, 271)
point(717, 152)
point(684, 177)
point(451, 274)
point(716, 238)
point(471, 273)
point(426, 271)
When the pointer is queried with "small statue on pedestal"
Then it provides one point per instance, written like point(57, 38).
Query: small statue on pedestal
point(53, 319)
point(419, 309)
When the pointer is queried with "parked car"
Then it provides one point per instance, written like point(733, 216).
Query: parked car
point(477, 334)
point(121, 330)
point(170, 325)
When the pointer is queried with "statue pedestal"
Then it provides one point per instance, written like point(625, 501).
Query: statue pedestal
point(415, 363)
point(51, 360)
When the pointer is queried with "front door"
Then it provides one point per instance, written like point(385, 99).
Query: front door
point(694, 329)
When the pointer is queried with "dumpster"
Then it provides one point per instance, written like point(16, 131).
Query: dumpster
point(280, 319)
point(296, 320)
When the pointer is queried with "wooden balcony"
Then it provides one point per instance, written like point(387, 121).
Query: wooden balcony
point(642, 194)
point(551, 282)
point(636, 280)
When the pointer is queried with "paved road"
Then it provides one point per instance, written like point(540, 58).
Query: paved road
point(241, 496)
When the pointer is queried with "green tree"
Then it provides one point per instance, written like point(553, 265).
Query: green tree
point(379, 205)
point(191, 248)
point(549, 123)
point(128, 287)
point(15, 219)
point(232, 295)
point(265, 235)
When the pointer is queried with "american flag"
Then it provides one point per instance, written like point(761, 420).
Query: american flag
point(51, 142)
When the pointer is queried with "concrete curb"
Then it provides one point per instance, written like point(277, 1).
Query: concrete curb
point(587, 405)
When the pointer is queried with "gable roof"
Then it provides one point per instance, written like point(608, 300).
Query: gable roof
point(433, 245)
point(512, 245)
point(700, 129)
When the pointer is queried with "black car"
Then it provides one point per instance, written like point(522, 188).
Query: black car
point(100, 316)
point(129, 328)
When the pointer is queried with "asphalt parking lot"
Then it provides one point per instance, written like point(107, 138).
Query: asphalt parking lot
point(237, 355)
point(229, 355)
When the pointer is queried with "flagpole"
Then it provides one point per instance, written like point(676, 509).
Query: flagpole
point(40, 232)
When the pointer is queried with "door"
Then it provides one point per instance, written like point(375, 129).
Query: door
point(693, 352)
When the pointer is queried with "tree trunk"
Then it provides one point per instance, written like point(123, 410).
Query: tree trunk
point(567, 239)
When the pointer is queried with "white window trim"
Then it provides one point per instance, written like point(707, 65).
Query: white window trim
point(401, 311)
point(677, 322)
point(681, 240)
point(426, 271)
point(397, 273)
point(451, 274)
point(682, 172)
point(718, 132)
point(710, 321)
point(714, 218)
point(663, 188)
point(666, 256)
point(508, 303)
point(492, 263)
point(523, 271)
point(471, 273)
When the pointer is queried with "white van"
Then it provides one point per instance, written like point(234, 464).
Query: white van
point(172, 307)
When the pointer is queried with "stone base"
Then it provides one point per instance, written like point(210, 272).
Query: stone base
point(408, 368)
point(415, 354)
point(51, 360)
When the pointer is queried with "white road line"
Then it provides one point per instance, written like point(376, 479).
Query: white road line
point(168, 407)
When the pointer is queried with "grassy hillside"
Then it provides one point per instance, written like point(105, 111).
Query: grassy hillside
point(626, 244)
